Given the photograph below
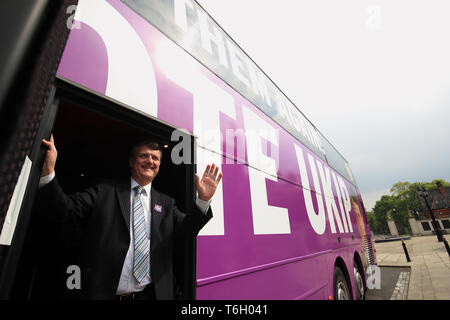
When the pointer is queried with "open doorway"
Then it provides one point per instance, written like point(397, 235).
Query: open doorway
point(95, 145)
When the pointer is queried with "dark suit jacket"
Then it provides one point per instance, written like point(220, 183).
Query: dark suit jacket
point(103, 212)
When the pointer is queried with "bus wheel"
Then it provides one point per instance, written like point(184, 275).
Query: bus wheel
point(341, 291)
point(359, 282)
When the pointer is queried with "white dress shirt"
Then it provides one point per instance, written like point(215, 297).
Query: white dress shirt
point(127, 282)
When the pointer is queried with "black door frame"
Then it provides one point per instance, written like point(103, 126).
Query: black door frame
point(13, 252)
point(92, 101)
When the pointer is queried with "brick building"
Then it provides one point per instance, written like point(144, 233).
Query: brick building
point(439, 201)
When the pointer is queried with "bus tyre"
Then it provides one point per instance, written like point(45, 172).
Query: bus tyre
point(359, 283)
point(341, 291)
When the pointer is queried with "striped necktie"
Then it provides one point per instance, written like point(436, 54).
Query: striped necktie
point(141, 262)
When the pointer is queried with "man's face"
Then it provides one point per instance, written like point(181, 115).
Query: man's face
point(144, 164)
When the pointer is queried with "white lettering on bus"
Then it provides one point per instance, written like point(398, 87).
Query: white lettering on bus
point(258, 82)
point(339, 199)
point(332, 210)
point(306, 130)
point(298, 122)
point(267, 219)
point(210, 101)
point(324, 194)
point(235, 152)
point(317, 220)
point(283, 112)
point(131, 78)
point(346, 200)
point(181, 14)
point(242, 67)
point(209, 37)
point(236, 58)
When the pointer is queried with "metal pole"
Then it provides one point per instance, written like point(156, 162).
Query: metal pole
point(446, 246)
point(436, 226)
point(442, 190)
point(406, 251)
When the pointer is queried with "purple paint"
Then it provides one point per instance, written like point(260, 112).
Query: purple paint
point(178, 105)
point(85, 59)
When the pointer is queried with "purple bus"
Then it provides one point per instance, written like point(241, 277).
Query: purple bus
point(289, 221)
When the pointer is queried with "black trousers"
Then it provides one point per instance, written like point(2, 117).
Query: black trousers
point(147, 294)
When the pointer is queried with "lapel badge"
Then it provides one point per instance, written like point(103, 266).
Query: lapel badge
point(158, 208)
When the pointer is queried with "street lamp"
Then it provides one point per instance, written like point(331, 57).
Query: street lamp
point(421, 191)
point(442, 190)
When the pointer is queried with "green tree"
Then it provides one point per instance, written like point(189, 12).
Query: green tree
point(400, 188)
point(377, 223)
point(405, 200)
point(380, 210)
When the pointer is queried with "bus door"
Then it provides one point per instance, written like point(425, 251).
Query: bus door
point(33, 39)
point(93, 136)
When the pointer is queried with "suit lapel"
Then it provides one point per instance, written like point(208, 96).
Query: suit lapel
point(123, 195)
point(157, 209)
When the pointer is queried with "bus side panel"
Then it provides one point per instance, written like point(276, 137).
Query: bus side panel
point(264, 212)
point(305, 278)
point(239, 247)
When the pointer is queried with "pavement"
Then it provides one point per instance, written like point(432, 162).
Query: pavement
point(393, 286)
point(429, 276)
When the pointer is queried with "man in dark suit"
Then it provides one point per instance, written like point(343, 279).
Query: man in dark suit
point(129, 228)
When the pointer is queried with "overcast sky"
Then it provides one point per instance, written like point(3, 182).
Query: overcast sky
point(372, 76)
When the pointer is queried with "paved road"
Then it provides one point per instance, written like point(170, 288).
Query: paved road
point(430, 266)
point(390, 277)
